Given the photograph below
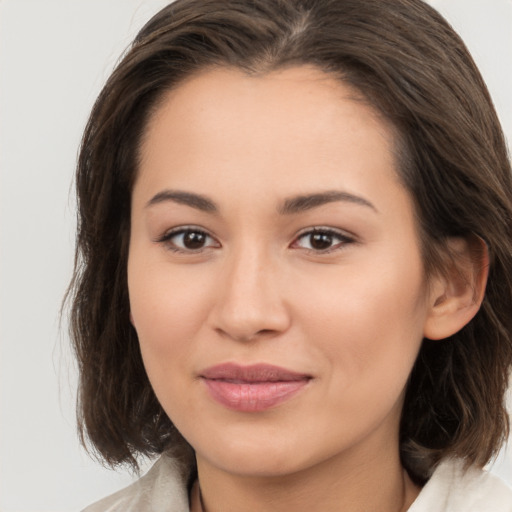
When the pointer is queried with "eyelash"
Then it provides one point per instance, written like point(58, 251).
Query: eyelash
point(343, 239)
point(167, 237)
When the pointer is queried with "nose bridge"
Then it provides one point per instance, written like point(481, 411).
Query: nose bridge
point(250, 267)
point(250, 299)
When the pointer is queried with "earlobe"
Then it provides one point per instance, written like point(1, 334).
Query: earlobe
point(457, 292)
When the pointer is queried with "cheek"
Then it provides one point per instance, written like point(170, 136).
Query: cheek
point(168, 307)
point(369, 325)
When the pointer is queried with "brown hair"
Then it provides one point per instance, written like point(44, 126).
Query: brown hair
point(412, 67)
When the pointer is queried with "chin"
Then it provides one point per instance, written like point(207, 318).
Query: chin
point(263, 465)
point(258, 457)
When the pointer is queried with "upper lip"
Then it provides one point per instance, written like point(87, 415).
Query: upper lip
point(252, 373)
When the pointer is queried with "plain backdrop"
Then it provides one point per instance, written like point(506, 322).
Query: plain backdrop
point(54, 57)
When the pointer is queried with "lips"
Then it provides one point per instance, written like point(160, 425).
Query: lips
point(252, 388)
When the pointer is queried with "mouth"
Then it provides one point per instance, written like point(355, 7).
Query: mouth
point(253, 388)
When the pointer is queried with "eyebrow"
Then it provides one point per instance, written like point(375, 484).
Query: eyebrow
point(307, 202)
point(193, 200)
point(290, 206)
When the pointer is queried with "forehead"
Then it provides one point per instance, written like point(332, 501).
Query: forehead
point(291, 128)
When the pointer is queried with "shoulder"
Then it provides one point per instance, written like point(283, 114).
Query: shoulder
point(161, 489)
point(452, 488)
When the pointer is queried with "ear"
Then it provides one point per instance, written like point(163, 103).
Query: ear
point(457, 291)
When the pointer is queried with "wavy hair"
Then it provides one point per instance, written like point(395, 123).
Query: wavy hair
point(411, 66)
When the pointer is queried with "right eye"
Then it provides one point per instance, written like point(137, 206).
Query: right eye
point(323, 240)
point(188, 240)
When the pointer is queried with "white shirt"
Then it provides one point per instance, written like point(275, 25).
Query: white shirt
point(450, 489)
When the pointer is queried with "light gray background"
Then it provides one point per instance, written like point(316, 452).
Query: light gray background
point(54, 57)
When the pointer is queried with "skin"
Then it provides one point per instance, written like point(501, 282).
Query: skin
point(351, 317)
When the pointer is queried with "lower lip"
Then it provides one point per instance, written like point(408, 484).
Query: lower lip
point(253, 396)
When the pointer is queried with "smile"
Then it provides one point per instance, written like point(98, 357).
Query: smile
point(252, 388)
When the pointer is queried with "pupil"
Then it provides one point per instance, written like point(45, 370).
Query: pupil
point(321, 241)
point(194, 240)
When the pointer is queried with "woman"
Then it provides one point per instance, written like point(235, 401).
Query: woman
point(294, 262)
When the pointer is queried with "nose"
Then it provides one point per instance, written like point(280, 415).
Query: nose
point(250, 300)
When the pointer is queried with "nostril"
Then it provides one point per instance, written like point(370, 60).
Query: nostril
point(244, 336)
point(248, 309)
point(264, 332)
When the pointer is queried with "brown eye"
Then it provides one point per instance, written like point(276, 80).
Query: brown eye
point(322, 240)
point(194, 240)
point(188, 240)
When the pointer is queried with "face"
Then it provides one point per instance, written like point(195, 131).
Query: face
point(275, 276)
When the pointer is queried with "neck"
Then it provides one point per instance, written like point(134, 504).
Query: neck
point(358, 485)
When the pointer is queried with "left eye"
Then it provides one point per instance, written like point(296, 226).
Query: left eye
point(188, 239)
point(322, 240)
